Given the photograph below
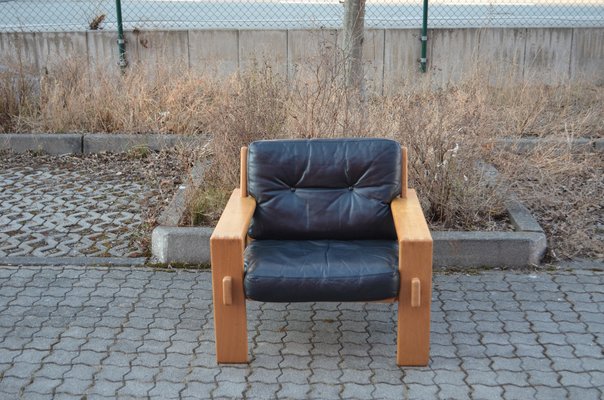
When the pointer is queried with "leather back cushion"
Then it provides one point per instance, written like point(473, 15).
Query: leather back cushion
point(324, 188)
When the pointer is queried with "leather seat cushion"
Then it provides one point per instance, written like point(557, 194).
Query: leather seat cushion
point(338, 189)
point(325, 270)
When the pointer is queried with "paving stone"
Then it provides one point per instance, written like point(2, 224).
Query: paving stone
point(166, 390)
point(292, 391)
point(418, 391)
point(518, 393)
point(324, 391)
point(229, 389)
point(486, 392)
point(453, 391)
point(583, 393)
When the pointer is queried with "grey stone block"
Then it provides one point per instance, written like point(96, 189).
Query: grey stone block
point(119, 143)
point(526, 145)
point(495, 249)
point(181, 245)
point(521, 217)
point(66, 143)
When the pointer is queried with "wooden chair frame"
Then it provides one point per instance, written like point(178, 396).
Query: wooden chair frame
point(228, 242)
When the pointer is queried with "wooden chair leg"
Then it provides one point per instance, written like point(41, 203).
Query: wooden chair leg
point(413, 331)
point(230, 325)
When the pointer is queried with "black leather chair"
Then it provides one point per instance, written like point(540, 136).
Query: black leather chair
point(322, 220)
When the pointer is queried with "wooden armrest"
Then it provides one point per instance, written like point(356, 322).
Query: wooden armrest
point(235, 219)
point(409, 220)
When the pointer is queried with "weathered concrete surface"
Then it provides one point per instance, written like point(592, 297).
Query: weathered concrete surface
point(548, 54)
point(521, 217)
point(215, 51)
point(103, 50)
point(263, 47)
point(162, 49)
point(53, 48)
point(173, 213)
point(587, 57)
point(526, 145)
point(494, 249)
point(402, 50)
point(501, 53)
point(181, 245)
point(308, 51)
point(66, 143)
point(118, 143)
point(18, 48)
point(453, 55)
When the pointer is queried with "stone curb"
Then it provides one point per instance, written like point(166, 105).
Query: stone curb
point(75, 143)
point(111, 261)
point(523, 247)
point(525, 145)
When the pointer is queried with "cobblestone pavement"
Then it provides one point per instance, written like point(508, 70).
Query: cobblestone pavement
point(137, 332)
point(46, 211)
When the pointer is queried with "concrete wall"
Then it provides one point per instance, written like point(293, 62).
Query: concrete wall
point(551, 55)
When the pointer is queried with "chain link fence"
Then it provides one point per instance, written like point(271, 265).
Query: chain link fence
point(81, 15)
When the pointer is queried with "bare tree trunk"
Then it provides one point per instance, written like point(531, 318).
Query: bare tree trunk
point(354, 23)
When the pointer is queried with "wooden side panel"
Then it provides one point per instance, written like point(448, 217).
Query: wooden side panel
point(243, 172)
point(404, 173)
point(415, 262)
point(226, 246)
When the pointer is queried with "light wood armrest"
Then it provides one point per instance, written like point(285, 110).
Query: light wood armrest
point(235, 219)
point(226, 248)
point(415, 269)
point(409, 220)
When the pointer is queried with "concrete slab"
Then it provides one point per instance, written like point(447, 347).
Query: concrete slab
point(547, 55)
point(526, 145)
point(309, 51)
point(162, 48)
point(401, 58)
point(81, 260)
point(53, 48)
point(493, 249)
point(215, 51)
point(501, 54)
point(16, 48)
point(52, 144)
point(454, 54)
point(181, 245)
point(587, 56)
point(118, 143)
point(373, 58)
point(263, 47)
point(103, 50)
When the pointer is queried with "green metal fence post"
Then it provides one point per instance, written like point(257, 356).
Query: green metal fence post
point(424, 38)
point(121, 43)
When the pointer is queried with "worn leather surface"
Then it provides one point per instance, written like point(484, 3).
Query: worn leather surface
point(324, 270)
point(324, 188)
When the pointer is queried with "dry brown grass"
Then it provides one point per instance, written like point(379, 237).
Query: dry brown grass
point(445, 129)
point(565, 191)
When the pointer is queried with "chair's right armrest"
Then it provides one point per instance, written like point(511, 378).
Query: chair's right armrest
point(409, 220)
point(235, 219)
